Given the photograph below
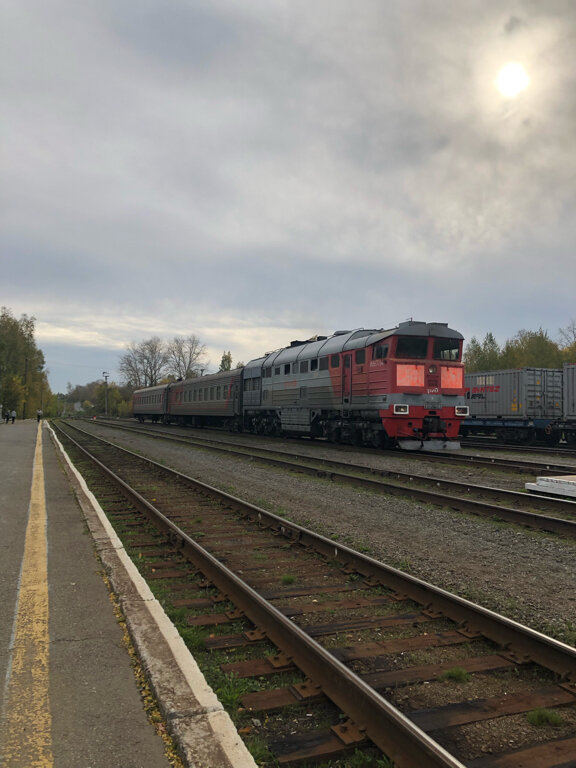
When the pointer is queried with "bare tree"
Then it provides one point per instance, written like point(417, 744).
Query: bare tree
point(185, 357)
point(144, 364)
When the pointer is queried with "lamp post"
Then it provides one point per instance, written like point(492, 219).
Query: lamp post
point(105, 374)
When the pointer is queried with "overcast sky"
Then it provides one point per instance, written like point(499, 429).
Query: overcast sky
point(258, 171)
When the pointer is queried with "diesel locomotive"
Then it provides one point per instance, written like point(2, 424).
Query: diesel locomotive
point(400, 387)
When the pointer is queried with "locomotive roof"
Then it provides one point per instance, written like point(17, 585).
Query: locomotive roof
point(344, 340)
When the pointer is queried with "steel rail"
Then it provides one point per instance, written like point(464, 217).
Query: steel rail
point(523, 641)
point(386, 726)
point(493, 443)
point(394, 733)
point(533, 520)
point(443, 458)
point(500, 463)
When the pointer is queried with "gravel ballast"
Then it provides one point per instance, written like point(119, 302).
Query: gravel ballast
point(527, 576)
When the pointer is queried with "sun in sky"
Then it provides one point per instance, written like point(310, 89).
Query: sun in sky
point(512, 80)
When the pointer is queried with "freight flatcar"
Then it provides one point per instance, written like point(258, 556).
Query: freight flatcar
point(523, 406)
point(399, 387)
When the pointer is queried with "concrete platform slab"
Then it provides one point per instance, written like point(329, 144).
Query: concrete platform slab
point(564, 485)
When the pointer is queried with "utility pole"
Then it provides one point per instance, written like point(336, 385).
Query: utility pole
point(105, 374)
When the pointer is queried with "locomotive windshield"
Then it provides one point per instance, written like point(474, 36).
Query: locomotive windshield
point(446, 349)
point(411, 346)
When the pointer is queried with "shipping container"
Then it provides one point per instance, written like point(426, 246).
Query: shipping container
point(569, 391)
point(522, 393)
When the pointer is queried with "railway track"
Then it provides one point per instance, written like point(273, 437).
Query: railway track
point(334, 645)
point(493, 444)
point(553, 515)
point(509, 465)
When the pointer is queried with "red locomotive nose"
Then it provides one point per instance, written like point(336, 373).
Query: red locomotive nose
point(433, 425)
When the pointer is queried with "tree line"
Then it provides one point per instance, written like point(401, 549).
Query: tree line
point(527, 349)
point(144, 364)
point(24, 379)
point(24, 384)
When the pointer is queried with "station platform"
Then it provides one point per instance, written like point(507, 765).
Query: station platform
point(69, 695)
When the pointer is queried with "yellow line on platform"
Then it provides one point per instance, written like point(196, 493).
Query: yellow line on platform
point(25, 732)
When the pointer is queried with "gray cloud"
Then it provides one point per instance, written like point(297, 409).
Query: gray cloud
point(299, 165)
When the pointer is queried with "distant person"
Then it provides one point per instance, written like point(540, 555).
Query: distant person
point(7, 416)
point(13, 416)
point(39, 414)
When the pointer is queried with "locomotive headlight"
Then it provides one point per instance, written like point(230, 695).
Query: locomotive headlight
point(432, 369)
point(403, 410)
point(461, 410)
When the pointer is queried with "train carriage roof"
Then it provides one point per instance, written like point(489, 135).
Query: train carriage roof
point(209, 378)
point(149, 390)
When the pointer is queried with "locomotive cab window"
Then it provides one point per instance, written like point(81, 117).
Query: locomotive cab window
point(287, 369)
point(334, 361)
point(360, 356)
point(411, 346)
point(446, 349)
point(380, 351)
point(304, 366)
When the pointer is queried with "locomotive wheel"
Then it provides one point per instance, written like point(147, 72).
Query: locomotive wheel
point(334, 434)
point(273, 428)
